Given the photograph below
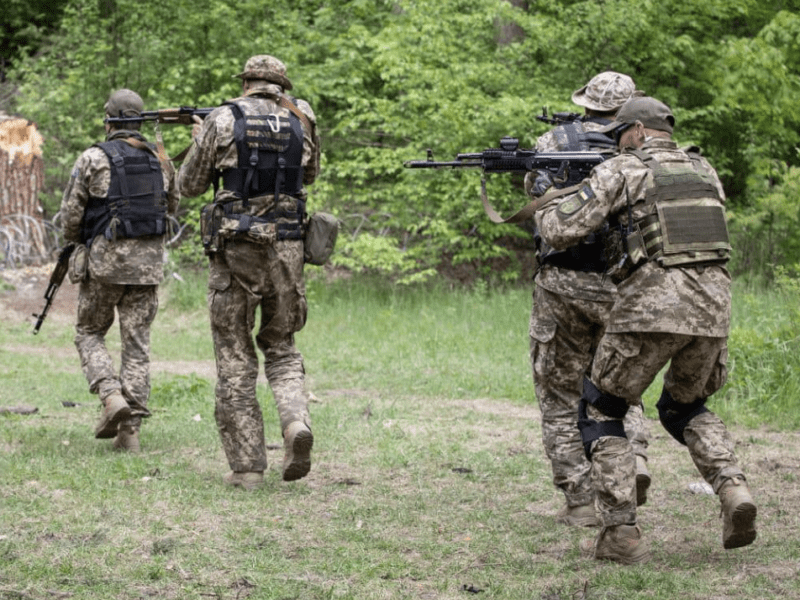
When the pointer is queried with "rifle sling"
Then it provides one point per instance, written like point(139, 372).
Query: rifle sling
point(527, 211)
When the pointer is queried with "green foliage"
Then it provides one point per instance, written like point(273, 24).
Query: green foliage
point(395, 78)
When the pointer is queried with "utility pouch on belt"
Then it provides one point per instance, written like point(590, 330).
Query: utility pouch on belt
point(210, 220)
point(320, 238)
point(78, 264)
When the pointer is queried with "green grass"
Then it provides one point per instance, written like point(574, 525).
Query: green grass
point(429, 478)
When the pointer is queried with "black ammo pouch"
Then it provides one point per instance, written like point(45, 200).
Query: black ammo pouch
point(223, 221)
point(588, 256)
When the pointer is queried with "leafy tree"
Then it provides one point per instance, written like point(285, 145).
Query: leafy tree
point(392, 78)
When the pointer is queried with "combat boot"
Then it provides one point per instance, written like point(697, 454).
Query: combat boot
point(621, 543)
point(297, 442)
point(127, 439)
point(642, 480)
point(738, 514)
point(248, 480)
point(115, 410)
point(578, 516)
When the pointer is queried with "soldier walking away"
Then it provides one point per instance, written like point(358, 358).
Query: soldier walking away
point(571, 303)
point(116, 209)
point(258, 151)
point(669, 246)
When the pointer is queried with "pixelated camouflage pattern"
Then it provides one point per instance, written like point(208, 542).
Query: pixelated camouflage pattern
point(605, 92)
point(245, 276)
point(236, 290)
point(124, 261)
point(625, 365)
point(123, 276)
point(679, 300)
point(136, 306)
point(214, 148)
point(564, 333)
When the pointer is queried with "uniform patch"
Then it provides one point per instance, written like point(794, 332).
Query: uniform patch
point(572, 205)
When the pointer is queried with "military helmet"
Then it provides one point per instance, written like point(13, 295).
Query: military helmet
point(605, 92)
point(124, 103)
point(269, 68)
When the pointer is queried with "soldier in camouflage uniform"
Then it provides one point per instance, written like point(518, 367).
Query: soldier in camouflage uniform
point(670, 245)
point(258, 151)
point(115, 207)
point(571, 303)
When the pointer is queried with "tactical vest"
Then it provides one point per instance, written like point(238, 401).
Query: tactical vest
point(685, 221)
point(573, 136)
point(588, 255)
point(136, 203)
point(270, 151)
point(270, 156)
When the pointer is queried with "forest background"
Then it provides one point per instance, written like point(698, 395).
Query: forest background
point(390, 79)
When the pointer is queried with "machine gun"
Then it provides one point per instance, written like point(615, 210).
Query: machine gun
point(56, 279)
point(182, 115)
point(567, 168)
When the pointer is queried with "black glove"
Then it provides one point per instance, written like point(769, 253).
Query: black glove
point(542, 183)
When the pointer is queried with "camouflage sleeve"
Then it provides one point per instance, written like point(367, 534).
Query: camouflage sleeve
point(311, 145)
point(197, 171)
point(75, 198)
point(567, 221)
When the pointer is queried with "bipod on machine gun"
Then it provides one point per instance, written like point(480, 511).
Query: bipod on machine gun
point(56, 279)
point(568, 169)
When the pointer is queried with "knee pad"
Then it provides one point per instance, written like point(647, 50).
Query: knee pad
point(674, 416)
point(612, 406)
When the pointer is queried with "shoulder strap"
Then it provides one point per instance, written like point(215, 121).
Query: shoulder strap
point(527, 211)
point(284, 102)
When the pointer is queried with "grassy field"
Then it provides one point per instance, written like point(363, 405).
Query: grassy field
point(429, 480)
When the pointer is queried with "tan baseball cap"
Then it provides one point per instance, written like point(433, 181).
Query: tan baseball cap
point(651, 112)
point(269, 68)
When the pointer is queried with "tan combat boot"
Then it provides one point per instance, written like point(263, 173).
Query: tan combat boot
point(578, 516)
point(127, 439)
point(297, 442)
point(642, 480)
point(248, 480)
point(738, 514)
point(622, 544)
point(115, 410)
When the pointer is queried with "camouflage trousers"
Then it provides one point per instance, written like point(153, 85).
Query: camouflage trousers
point(136, 306)
point(242, 278)
point(625, 365)
point(564, 334)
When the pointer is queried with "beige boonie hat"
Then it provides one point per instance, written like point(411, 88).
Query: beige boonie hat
point(269, 68)
point(605, 92)
point(124, 103)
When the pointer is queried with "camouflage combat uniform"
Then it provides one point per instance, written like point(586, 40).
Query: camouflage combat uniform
point(678, 315)
point(123, 275)
point(244, 276)
point(570, 310)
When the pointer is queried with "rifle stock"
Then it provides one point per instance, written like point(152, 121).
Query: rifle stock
point(56, 279)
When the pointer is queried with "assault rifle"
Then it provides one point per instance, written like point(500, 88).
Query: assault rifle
point(170, 116)
point(56, 279)
point(558, 118)
point(567, 168)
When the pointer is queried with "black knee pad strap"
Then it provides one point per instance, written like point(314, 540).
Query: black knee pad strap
point(608, 404)
point(675, 416)
point(611, 406)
